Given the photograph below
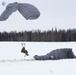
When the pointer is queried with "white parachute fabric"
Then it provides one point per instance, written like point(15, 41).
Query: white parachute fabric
point(28, 11)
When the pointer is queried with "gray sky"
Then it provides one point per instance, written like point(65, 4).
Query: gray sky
point(54, 13)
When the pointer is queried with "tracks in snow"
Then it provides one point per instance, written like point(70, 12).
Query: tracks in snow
point(15, 60)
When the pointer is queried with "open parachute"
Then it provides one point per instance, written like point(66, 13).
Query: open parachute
point(28, 11)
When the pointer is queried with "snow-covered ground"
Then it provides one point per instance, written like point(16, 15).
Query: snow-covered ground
point(13, 62)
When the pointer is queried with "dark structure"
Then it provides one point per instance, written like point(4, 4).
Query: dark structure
point(65, 53)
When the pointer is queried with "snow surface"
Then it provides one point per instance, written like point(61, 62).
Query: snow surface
point(13, 62)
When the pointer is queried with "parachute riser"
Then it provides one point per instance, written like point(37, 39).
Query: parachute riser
point(23, 45)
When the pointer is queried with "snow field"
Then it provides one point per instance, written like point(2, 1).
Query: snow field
point(16, 64)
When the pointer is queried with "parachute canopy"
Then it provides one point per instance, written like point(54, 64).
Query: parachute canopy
point(28, 11)
point(63, 53)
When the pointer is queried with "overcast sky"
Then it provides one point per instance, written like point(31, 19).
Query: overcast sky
point(54, 13)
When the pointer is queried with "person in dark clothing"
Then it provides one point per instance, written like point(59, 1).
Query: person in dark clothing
point(23, 50)
point(63, 53)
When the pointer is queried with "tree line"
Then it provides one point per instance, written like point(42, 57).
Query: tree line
point(38, 35)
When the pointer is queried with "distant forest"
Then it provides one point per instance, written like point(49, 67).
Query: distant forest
point(38, 35)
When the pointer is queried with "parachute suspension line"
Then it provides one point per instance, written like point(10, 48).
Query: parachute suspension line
point(23, 45)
